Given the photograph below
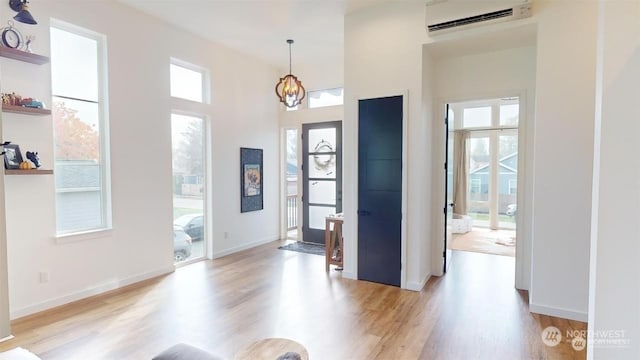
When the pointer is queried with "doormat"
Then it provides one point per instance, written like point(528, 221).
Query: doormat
point(307, 248)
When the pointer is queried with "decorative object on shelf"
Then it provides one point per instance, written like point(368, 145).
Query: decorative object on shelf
point(28, 43)
point(289, 89)
point(34, 158)
point(251, 187)
point(11, 99)
point(31, 103)
point(12, 156)
point(25, 165)
point(14, 99)
point(11, 37)
point(23, 15)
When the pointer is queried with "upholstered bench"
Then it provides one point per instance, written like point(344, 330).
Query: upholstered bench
point(184, 352)
point(18, 354)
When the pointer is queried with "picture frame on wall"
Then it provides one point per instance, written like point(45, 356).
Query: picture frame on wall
point(251, 180)
point(12, 156)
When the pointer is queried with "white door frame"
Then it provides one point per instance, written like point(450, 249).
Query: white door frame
point(524, 194)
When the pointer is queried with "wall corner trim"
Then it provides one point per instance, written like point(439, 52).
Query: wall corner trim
point(558, 312)
point(418, 285)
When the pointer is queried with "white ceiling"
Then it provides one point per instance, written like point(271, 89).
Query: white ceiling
point(261, 27)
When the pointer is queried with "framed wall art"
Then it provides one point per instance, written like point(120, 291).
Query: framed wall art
point(12, 156)
point(251, 180)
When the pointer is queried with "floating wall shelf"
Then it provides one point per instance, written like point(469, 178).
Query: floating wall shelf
point(25, 110)
point(23, 56)
point(28, 172)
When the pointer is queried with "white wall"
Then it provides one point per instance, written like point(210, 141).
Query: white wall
point(383, 57)
point(295, 119)
point(563, 156)
point(243, 112)
point(5, 325)
point(509, 72)
point(615, 250)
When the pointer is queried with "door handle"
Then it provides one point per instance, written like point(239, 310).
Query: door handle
point(364, 213)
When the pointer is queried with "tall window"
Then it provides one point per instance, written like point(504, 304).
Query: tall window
point(81, 166)
point(188, 138)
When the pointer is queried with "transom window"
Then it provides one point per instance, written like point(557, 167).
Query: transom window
point(326, 97)
point(187, 81)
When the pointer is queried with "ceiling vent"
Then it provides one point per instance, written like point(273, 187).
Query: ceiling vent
point(444, 16)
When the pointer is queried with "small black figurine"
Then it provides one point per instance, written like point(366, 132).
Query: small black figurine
point(33, 156)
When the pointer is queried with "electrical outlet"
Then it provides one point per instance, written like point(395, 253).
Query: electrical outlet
point(44, 277)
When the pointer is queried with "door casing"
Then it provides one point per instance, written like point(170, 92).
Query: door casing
point(525, 168)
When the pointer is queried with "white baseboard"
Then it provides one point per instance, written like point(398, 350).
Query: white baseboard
point(219, 254)
point(559, 312)
point(349, 275)
point(6, 338)
point(92, 291)
point(417, 286)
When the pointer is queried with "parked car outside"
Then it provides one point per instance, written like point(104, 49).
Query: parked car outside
point(512, 209)
point(181, 244)
point(192, 224)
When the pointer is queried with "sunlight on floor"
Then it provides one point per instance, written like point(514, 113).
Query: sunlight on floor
point(483, 240)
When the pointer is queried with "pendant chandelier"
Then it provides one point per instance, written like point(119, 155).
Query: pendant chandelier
point(289, 89)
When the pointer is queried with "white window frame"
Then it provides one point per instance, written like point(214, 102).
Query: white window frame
point(206, 84)
point(104, 141)
point(186, 107)
point(207, 182)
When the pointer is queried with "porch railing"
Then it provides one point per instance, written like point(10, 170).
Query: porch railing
point(292, 212)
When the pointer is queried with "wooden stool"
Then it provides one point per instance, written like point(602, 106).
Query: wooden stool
point(333, 241)
point(270, 349)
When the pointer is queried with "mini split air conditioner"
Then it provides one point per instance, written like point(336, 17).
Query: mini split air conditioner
point(444, 16)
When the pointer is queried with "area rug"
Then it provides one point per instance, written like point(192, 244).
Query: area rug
point(486, 241)
point(314, 249)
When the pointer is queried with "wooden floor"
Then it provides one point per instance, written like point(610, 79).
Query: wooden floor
point(223, 305)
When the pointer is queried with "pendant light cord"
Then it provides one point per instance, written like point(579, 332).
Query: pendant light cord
point(289, 58)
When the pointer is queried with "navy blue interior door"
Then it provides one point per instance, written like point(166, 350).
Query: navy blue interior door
point(380, 190)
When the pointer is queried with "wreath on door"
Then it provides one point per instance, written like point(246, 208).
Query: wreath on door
point(322, 162)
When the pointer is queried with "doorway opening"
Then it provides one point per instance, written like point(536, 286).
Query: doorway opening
point(291, 183)
point(482, 175)
point(189, 187)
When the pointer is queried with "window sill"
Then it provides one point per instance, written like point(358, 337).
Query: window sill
point(83, 236)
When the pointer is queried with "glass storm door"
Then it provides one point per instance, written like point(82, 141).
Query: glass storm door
point(322, 177)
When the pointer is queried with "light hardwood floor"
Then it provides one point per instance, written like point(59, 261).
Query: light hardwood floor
point(223, 305)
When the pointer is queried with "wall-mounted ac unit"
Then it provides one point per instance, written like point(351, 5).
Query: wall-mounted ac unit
point(444, 16)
